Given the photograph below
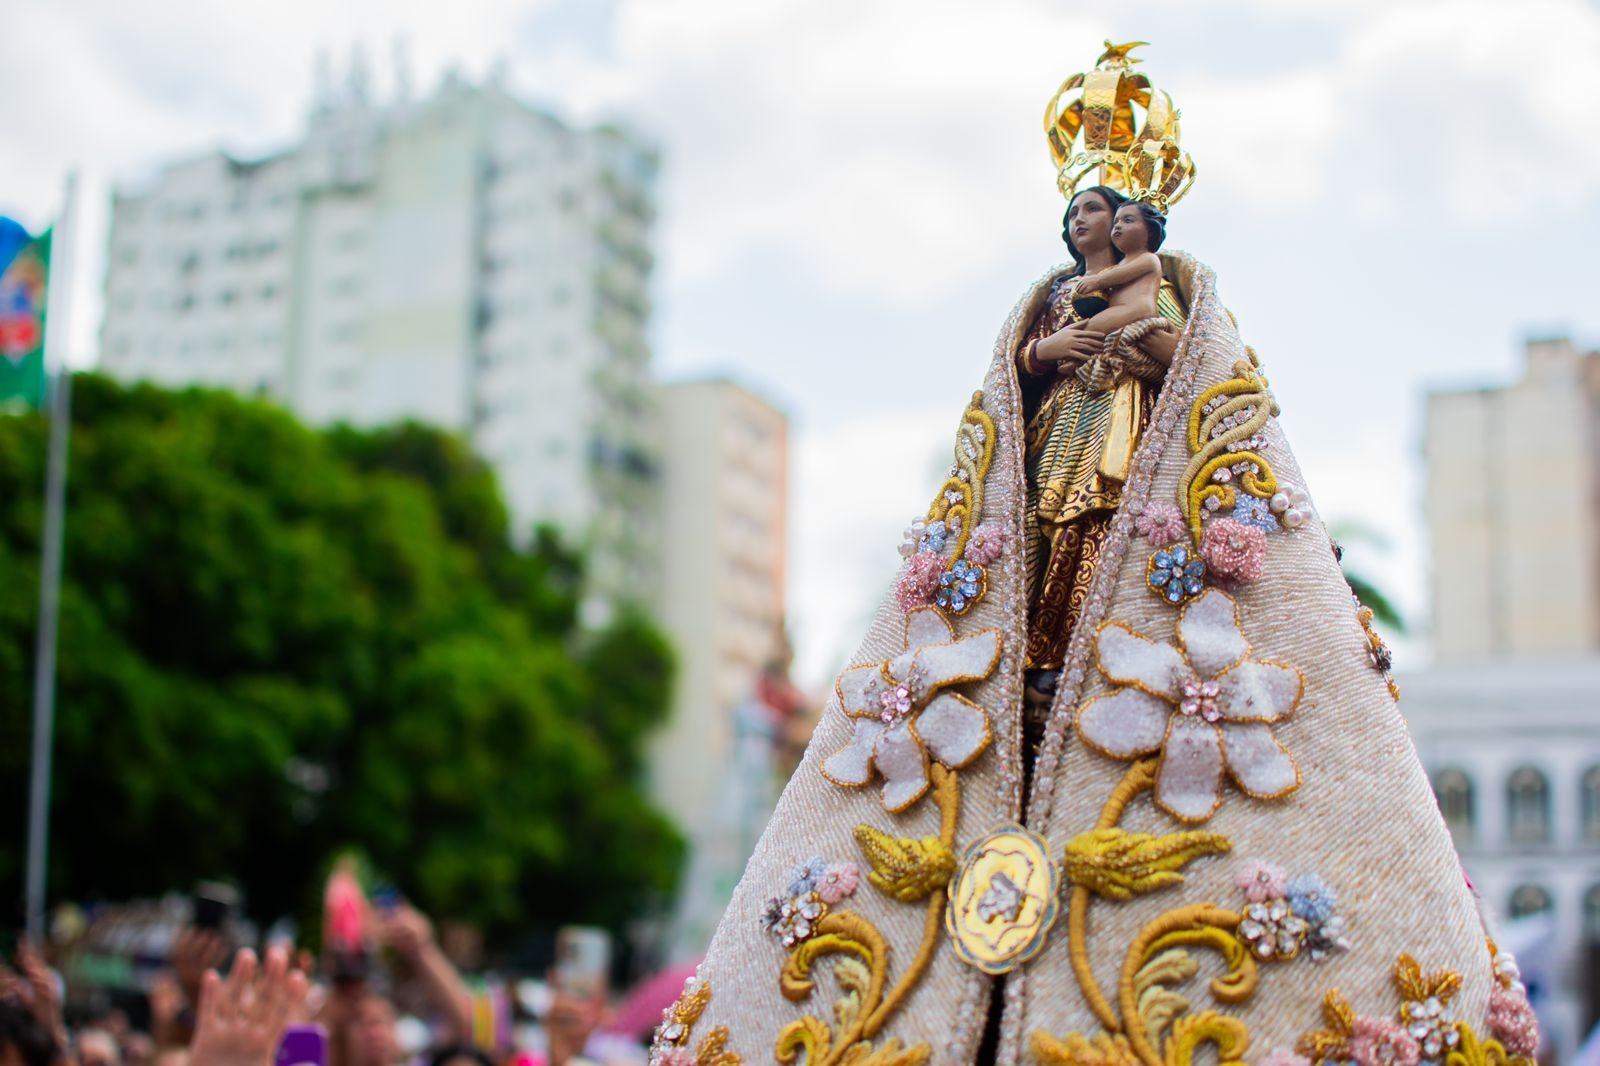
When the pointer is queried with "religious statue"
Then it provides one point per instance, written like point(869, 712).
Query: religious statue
point(1117, 776)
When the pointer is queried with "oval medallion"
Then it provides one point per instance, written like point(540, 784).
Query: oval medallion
point(1004, 900)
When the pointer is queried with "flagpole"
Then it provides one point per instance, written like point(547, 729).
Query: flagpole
point(59, 382)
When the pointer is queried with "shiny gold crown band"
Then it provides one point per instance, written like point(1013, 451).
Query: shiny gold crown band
point(1091, 125)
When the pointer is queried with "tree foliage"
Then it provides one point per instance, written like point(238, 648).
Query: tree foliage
point(276, 643)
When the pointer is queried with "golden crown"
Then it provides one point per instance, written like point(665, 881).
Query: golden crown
point(1090, 125)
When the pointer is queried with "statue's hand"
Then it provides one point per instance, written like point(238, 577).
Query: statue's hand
point(1160, 345)
point(1070, 345)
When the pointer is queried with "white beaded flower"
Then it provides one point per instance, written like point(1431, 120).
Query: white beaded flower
point(895, 735)
point(1205, 705)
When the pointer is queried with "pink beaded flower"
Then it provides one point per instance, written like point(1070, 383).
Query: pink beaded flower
point(920, 581)
point(1232, 550)
point(1382, 1042)
point(985, 544)
point(1160, 523)
point(1512, 1021)
point(838, 881)
point(1261, 881)
point(1285, 1057)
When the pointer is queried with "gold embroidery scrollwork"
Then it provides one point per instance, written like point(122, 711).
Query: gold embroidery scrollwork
point(959, 502)
point(1342, 1029)
point(901, 868)
point(1150, 1024)
point(1475, 1052)
point(1216, 421)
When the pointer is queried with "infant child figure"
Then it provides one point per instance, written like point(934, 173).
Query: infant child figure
point(1137, 233)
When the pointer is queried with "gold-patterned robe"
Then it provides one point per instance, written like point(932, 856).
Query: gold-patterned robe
point(1079, 442)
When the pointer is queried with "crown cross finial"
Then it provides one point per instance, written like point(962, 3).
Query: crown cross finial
point(1117, 55)
point(1111, 124)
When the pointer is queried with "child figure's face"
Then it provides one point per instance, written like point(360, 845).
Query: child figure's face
point(1128, 232)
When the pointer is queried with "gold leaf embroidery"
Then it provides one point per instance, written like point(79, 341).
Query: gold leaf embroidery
point(809, 1035)
point(1158, 1006)
point(1415, 988)
point(854, 982)
point(689, 1006)
point(713, 1050)
point(1119, 865)
point(905, 869)
point(890, 1054)
point(1475, 1052)
point(1329, 1043)
point(1079, 1050)
point(1230, 1036)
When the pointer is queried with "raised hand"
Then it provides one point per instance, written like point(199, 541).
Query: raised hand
point(193, 952)
point(405, 929)
point(241, 1019)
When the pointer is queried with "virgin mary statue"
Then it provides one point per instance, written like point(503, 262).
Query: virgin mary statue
point(1117, 775)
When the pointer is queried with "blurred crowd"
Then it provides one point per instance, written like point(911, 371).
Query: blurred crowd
point(381, 992)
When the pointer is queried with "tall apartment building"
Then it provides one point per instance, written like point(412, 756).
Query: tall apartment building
point(725, 488)
point(1513, 505)
point(463, 260)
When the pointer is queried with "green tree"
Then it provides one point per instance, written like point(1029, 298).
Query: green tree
point(277, 643)
point(1346, 533)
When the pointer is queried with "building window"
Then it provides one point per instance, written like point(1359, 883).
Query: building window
point(1530, 899)
point(1453, 789)
point(1591, 914)
point(1528, 806)
point(1591, 804)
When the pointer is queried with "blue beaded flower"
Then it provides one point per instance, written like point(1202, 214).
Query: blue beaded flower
point(1177, 573)
point(1312, 899)
point(960, 586)
point(933, 537)
point(804, 878)
point(1253, 511)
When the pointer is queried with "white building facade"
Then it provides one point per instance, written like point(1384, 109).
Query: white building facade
point(463, 260)
point(1513, 751)
point(1507, 721)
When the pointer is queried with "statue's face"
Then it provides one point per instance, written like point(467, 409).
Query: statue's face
point(1128, 231)
point(1089, 222)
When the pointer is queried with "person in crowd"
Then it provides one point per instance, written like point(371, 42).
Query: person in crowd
point(24, 1040)
point(32, 1032)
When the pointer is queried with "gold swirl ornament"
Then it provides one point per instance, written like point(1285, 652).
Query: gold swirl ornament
point(1004, 900)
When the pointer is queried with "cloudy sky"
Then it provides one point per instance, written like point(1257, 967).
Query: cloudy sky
point(1394, 193)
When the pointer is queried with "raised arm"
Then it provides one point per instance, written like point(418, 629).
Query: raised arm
point(1129, 270)
point(410, 933)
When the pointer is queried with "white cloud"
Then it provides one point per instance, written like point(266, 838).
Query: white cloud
point(858, 485)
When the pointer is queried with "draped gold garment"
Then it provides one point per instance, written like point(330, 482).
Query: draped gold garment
point(1079, 444)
